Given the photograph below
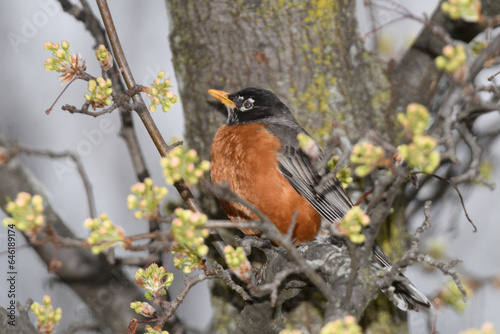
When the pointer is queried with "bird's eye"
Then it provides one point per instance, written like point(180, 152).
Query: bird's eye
point(247, 104)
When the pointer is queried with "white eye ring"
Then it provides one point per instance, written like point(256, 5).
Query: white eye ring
point(248, 104)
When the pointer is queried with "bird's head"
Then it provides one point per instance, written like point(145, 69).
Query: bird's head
point(253, 105)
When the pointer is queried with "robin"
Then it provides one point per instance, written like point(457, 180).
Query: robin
point(257, 153)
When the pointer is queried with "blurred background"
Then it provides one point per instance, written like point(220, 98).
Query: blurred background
point(27, 90)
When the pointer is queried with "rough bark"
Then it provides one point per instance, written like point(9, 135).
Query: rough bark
point(309, 54)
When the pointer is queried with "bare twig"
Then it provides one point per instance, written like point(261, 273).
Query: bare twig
point(473, 172)
point(413, 255)
point(85, 109)
point(405, 13)
point(273, 287)
point(79, 167)
point(459, 195)
point(216, 271)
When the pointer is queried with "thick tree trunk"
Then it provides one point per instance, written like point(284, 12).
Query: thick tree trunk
point(310, 55)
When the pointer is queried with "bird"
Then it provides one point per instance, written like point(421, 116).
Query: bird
point(256, 152)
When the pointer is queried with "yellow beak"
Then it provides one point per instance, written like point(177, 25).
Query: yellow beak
point(223, 97)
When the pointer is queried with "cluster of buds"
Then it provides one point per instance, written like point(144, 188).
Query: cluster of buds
point(415, 120)
point(344, 173)
point(26, 214)
point(160, 93)
point(352, 224)
point(486, 328)
point(368, 156)
point(145, 198)
point(154, 280)
point(104, 234)
point(63, 61)
point(309, 146)
point(143, 308)
point(452, 296)
point(47, 317)
point(467, 10)
point(347, 325)
point(189, 247)
point(237, 261)
point(453, 59)
point(154, 330)
point(420, 152)
point(104, 57)
point(181, 164)
point(100, 91)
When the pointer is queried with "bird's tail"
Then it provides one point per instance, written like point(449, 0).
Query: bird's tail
point(406, 295)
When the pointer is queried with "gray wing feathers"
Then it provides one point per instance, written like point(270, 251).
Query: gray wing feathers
point(330, 200)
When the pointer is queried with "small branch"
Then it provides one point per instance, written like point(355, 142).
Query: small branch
point(79, 167)
point(473, 172)
point(413, 255)
point(170, 307)
point(49, 110)
point(85, 109)
point(291, 227)
point(272, 288)
point(189, 282)
point(225, 276)
point(406, 14)
point(249, 224)
point(459, 195)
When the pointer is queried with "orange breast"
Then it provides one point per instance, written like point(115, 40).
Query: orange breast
point(244, 156)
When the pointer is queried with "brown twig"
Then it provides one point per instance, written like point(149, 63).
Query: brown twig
point(216, 271)
point(413, 255)
point(79, 167)
point(405, 14)
point(85, 109)
point(273, 287)
point(458, 193)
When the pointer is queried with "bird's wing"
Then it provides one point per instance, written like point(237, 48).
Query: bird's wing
point(321, 189)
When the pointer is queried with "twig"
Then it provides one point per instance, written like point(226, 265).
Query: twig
point(473, 173)
point(272, 288)
point(413, 255)
point(170, 307)
point(85, 109)
point(406, 14)
point(79, 167)
point(216, 271)
point(225, 276)
point(459, 195)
